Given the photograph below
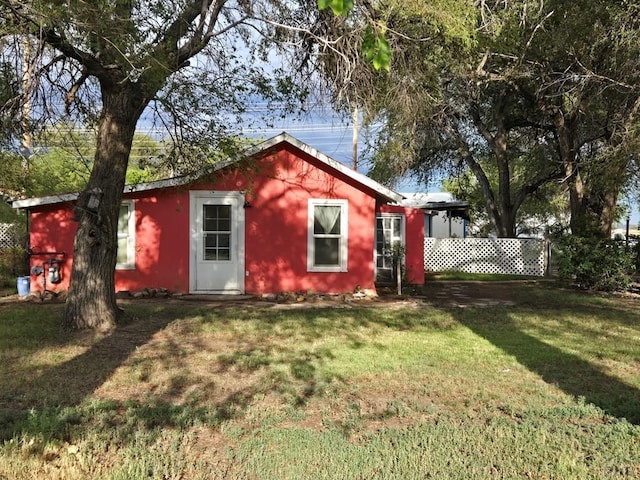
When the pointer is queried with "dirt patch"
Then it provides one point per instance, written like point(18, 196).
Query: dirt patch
point(440, 293)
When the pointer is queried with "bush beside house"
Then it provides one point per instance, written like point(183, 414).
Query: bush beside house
point(596, 264)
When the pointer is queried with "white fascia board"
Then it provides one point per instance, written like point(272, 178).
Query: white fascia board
point(37, 201)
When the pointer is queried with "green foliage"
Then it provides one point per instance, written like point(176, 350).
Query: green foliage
point(57, 171)
point(546, 206)
point(513, 82)
point(376, 48)
point(10, 107)
point(339, 7)
point(14, 262)
point(13, 176)
point(595, 263)
point(63, 160)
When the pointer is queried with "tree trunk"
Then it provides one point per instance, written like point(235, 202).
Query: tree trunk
point(91, 302)
point(596, 212)
point(501, 212)
point(593, 189)
point(499, 146)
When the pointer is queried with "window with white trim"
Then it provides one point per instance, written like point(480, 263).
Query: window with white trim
point(327, 238)
point(126, 259)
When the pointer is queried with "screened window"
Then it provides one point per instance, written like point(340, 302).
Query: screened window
point(216, 231)
point(126, 236)
point(327, 248)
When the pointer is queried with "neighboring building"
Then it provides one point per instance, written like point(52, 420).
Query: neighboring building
point(444, 217)
point(283, 218)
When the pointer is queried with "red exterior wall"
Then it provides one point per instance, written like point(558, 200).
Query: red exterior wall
point(278, 187)
point(51, 229)
point(162, 242)
point(414, 241)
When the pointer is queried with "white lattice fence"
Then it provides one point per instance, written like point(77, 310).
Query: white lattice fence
point(8, 235)
point(508, 256)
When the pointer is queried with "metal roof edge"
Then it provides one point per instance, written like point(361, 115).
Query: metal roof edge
point(49, 199)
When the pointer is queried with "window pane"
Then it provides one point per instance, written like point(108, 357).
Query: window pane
point(224, 225)
point(216, 246)
point(326, 219)
point(122, 250)
point(216, 218)
point(210, 240)
point(327, 251)
point(396, 227)
point(123, 219)
point(224, 211)
point(210, 224)
point(223, 239)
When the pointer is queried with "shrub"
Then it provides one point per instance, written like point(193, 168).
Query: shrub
point(595, 263)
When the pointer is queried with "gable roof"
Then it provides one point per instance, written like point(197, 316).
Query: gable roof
point(380, 190)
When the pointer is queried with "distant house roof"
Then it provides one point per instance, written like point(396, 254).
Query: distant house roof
point(436, 202)
point(380, 190)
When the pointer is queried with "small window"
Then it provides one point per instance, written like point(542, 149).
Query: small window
point(216, 232)
point(126, 236)
point(327, 244)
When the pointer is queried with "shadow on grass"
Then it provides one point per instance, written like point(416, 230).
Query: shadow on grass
point(572, 374)
point(263, 350)
point(45, 398)
point(57, 400)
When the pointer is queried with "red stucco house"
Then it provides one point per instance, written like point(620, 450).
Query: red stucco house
point(282, 218)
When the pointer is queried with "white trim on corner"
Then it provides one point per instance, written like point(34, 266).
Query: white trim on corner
point(344, 235)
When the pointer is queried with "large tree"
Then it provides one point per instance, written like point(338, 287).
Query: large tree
point(554, 83)
point(109, 61)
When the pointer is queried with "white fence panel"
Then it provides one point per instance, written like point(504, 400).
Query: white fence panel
point(508, 256)
point(8, 235)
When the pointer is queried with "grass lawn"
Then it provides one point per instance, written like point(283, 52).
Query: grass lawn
point(544, 387)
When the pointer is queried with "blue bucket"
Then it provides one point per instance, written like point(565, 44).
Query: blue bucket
point(24, 286)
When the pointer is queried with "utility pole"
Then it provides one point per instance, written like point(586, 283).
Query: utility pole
point(355, 138)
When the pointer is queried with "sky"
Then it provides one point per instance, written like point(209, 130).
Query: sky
point(332, 136)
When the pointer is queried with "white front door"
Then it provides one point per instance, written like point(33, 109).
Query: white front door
point(217, 242)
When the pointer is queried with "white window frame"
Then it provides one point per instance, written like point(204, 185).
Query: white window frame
point(403, 237)
point(130, 236)
point(343, 239)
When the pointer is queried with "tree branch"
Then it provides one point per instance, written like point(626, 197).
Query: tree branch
point(71, 94)
point(532, 187)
